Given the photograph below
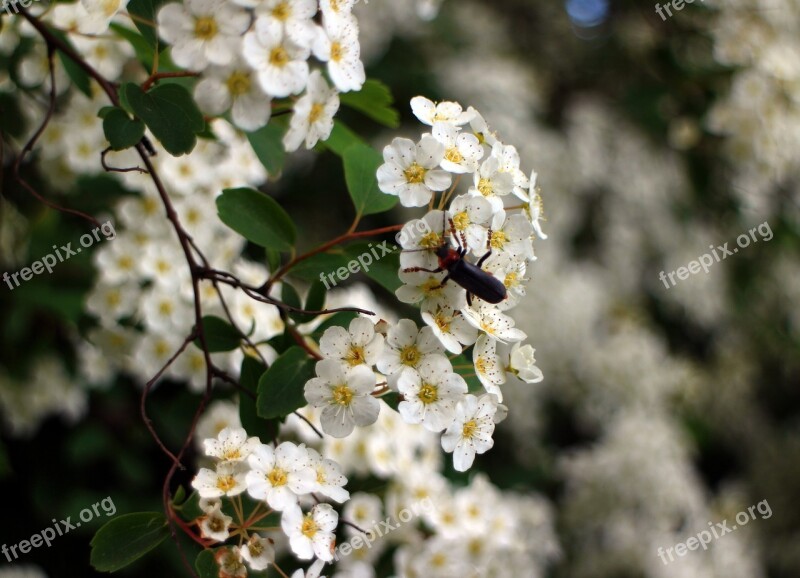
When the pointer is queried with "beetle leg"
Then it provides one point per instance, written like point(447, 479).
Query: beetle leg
point(418, 269)
point(469, 298)
point(489, 247)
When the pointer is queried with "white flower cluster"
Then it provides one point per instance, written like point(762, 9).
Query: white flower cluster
point(284, 478)
point(437, 530)
point(758, 38)
point(251, 51)
point(411, 361)
point(142, 276)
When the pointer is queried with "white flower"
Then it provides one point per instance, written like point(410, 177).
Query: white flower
point(100, 13)
point(230, 563)
point(202, 32)
point(534, 207)
point(344, 394)
point(427, 287)
point(491, 321)
point(429, 113)
point(522, 364)
point(359, 344)
point(279, 476)
point(295, 16)
point(472, 430)
point(471, 216)
point(227, 480)
point(481, 129)
point(329, 477)
point(311, 534)
point(258, 553)
point(232, 444)
point(338, 46)
point(281, 64)
point(490, 182)
point(215, 525)
point(313, 571)
point(487, 365)
point(407, 347)
point(452, 329)
point(362, 509)
point(409, 170)
point(312, 120)
point(219, 415)
point(234, 87)
point(512, 235)
point(336, 9)
point(512, 273)
point(462, 151)
point(431, 394)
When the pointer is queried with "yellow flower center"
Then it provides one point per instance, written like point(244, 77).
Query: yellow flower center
point(468, 431)
point(409, 356)
point(232, 453)
point(165, 308)
point(461, 221)
point(480, 365)
point(226, 483)
point(485, 187)
point(113, 298)
point(430, 241)
point(309, 527)
point(415, 174)
point(337, 51)
point(321, 477)
point(431, 287)
point(342, 395)
point(282, 11)
point(316, 113)
point(442, 322)
point(256, 547)
point(216, 524)
point(498, 239)
point(238, 83)
point(355, 356)
point(205, 28)
point(438, 560)
point(428, 393)
point(277, 477)
point(279, 57)
point(453, 155)
point(110, 7)
point(511, 280)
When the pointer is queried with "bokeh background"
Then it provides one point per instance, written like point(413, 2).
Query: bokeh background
point(661, 409)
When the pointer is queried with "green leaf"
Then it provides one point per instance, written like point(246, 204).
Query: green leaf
point(383, 268)
point(122, 131)
point(327, 263)
point(127, 538)
point(257, 217)
point(290, 296)
point(143, 49)
point(206, 565)
point(315, 300)
point(342, 138)
point(170, 112)
point(76, 74)
point(280, 389)
point(267, 143)
point(374, 100)
point(143, 13)
point(361, 163)
point(180, 497)
point(220, 335)
point(265, 429)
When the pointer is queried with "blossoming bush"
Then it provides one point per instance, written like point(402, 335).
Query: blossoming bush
point(190, 106)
